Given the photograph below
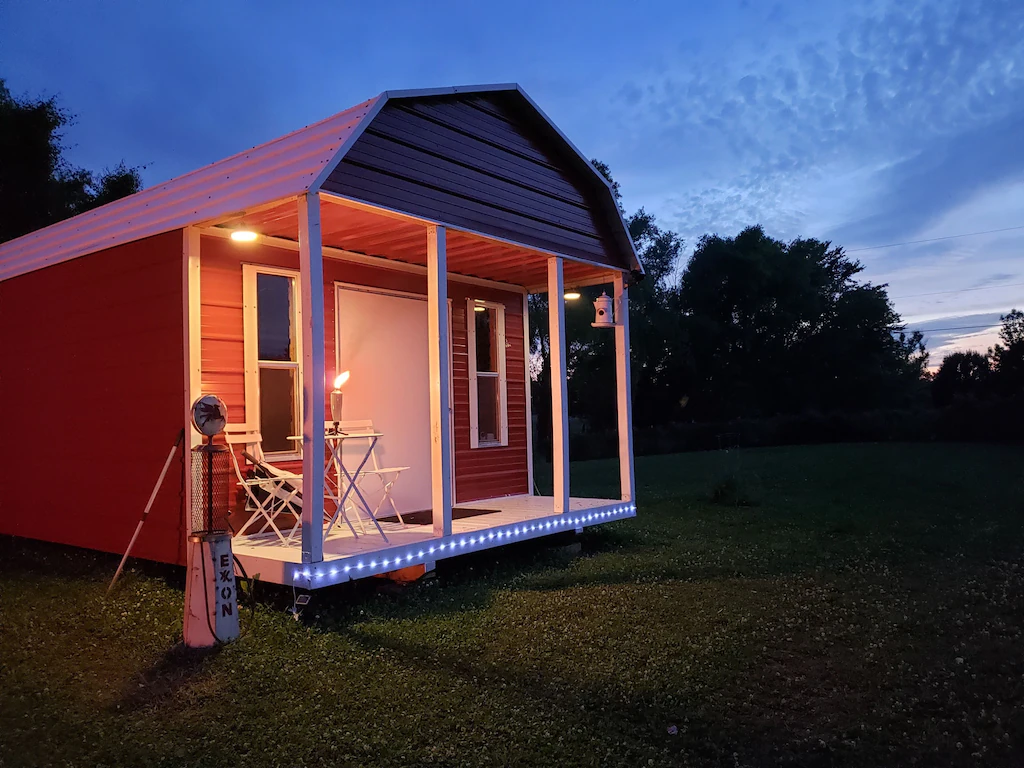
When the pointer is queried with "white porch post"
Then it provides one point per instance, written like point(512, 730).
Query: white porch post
point(623, 394)
point(559, 387)
point(440, 380)
point(529, 393)
point(311, 279)
point(192, 340)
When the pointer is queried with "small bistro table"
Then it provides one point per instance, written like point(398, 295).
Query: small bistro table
point(341, 484)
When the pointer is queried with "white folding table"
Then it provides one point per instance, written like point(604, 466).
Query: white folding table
point(339, 483)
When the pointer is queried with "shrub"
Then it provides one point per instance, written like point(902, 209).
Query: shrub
point(965, 419)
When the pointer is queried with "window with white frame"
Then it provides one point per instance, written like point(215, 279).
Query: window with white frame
point(488, 407)
point(273, 370)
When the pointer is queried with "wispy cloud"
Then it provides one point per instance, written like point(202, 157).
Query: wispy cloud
point(872, 124)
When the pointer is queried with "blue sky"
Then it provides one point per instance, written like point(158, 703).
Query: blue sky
point(866, 123)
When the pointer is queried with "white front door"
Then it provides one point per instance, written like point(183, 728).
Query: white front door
point(382, 341)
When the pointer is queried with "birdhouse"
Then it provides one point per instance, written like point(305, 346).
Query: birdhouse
point(603, 307)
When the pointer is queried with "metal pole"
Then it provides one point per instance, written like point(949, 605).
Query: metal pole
point(209, 484)
point(149, 505)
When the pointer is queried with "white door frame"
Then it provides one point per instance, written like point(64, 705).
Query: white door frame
point(343, 286)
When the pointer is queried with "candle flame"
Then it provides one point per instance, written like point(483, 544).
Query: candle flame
point(340, 379)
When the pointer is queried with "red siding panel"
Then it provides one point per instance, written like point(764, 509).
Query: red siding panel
point(482, 473)
point(479, 473)
point(92, 390)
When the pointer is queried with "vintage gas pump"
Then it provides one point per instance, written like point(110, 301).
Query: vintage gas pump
point(211, 598)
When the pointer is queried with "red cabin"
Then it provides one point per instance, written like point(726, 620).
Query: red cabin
point(398, 241)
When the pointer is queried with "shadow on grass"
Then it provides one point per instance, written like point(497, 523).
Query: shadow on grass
point(178, 668)
point(458, 585)
point(29, 558)
point(668, 724)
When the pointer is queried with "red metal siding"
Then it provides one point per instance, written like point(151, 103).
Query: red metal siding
point(479, 473)
point(92, 392)
point(483, 473)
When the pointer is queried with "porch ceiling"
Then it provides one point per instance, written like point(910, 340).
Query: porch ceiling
point(398, 238)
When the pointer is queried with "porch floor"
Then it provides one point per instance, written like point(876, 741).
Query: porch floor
point(501, 521)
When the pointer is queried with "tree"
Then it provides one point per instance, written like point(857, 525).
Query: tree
point(752, 326)
point(38, 186)
point(658, 361)
point(1008, 357)
point(777, 327)
point(962, 374)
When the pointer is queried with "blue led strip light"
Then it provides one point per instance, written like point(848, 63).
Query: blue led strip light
point(325, 575)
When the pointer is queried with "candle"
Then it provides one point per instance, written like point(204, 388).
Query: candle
point(336, 397)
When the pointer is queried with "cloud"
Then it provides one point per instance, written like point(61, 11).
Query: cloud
point(995, 279)
point(920, 98)
point(865, 124)
point(942, 175)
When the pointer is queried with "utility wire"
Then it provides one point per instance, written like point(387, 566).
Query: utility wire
point(959, 290)
point(933, 239)
point(936, 330)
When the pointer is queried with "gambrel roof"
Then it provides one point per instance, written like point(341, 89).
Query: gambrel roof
point(317, 157)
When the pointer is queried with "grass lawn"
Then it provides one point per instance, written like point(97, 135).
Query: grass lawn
point(837, 605)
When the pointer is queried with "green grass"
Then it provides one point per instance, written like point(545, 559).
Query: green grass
point(834, 605)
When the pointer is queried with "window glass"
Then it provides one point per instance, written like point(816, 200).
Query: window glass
point(274, 314)
point(277, 409)
point(486, 346)
point(487, 409)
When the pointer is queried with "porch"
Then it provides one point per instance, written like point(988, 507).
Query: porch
point(410, 264)
point(493, 523)
point(469, 490)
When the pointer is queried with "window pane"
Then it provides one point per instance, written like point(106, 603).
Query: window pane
point(487, 408)
point(277, 409)
point(274, 317)
point(486, 340)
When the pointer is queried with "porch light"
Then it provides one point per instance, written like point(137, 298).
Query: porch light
point(243, 235)
point(571, 295)
point(479, 308)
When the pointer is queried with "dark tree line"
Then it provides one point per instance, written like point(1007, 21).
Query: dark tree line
point(749, 326)
point(981, 375)
point(38, 186)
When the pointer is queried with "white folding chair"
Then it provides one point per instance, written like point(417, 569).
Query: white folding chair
point(375, 478)
point(270, 492)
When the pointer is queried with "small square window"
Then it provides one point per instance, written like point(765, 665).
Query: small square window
point(486, 343)
point(273, 358)
point(274, 314)
point(488, 406)
point(278, 419)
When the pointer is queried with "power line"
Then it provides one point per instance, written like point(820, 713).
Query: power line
point(951, 328)
point(934, 239)
point(958, 290)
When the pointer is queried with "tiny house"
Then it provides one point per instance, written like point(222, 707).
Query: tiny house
point(397, 241)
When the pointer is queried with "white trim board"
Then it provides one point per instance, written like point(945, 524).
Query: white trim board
point(250, 343)
point(354, 202)
point(529, 393)
point(372, 261)
point(499, 341)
